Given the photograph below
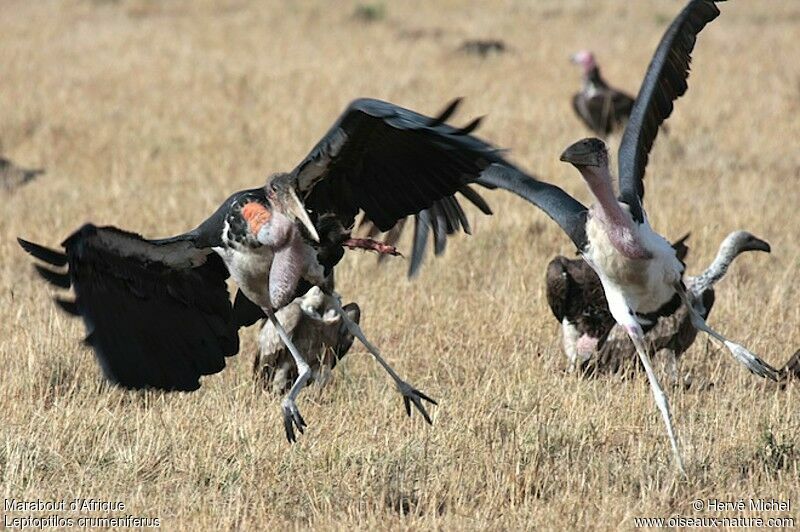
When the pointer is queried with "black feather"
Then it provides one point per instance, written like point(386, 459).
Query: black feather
point(390, 163)
point(42, 253)
point(67, 306)
point(469, 128)
point(445, 115)
point(151, 323)
point(60, 280)
point(421, 223)
point(664, 82)
point(476, 199)
point(245, 312)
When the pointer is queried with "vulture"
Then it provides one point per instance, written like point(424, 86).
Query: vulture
point(791, 370)
point(601, 107)
point(483, 47)
point(315, 329)
point(13, 176)
point(670, 336)
point(576, 299)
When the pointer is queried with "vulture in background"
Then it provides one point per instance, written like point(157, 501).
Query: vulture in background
point(670, 336)
point(483, 47)
point(576, 299)
point(316, 329)
point(791, 370)
point(601, 107)
point(13, 176)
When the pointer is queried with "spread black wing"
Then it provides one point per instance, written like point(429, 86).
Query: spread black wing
point(444, 218)
point(664, 82)
point(391, 162)
point(157, 312)
point(566, 211)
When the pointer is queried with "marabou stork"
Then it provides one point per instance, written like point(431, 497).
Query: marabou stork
point(600, 106)
point(639, 270)
point(13, 176)
point(670, 336)
point(158, 313)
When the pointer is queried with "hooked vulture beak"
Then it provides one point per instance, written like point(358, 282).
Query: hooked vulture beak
point(586, 152)
point(295, 208)
point(756, 244)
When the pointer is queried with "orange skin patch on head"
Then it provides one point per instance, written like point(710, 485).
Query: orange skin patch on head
point(256, 215)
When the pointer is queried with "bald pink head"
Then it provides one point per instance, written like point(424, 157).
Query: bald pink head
point(585, 58)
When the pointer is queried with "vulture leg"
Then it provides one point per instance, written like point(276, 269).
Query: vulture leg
point(291, 415)
point(570, 337)
point(637, 336)
point(670, 365)
point(409, 393)
point(740, 353)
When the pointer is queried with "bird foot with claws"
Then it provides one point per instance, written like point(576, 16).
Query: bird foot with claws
point(752, 362)
point(412, 395)
point(292, 418)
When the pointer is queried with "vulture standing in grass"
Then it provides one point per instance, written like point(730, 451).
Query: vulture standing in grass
point(158, 313)
point(483, 47)
point(575, 296)
point(315, 328)
point(601, 107)
point(13, 176)
point(670, 336)
point(639, 270)
point(791, 370)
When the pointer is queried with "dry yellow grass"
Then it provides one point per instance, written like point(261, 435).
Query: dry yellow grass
point(147, 114)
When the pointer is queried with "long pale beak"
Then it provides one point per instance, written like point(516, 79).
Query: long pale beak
point(295, 207)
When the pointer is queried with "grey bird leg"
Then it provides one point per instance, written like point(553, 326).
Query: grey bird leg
point(740, 353)
point(291, 415)
point(670, 365)
point(409, 393)
point(637, 336)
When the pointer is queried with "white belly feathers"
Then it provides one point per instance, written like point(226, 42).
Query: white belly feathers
point(645, 284)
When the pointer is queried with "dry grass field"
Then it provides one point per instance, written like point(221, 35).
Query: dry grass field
point(147, 114)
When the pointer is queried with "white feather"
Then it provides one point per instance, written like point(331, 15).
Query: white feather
point(641, 285)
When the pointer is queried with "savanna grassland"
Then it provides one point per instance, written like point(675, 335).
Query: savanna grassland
point(147, 114)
